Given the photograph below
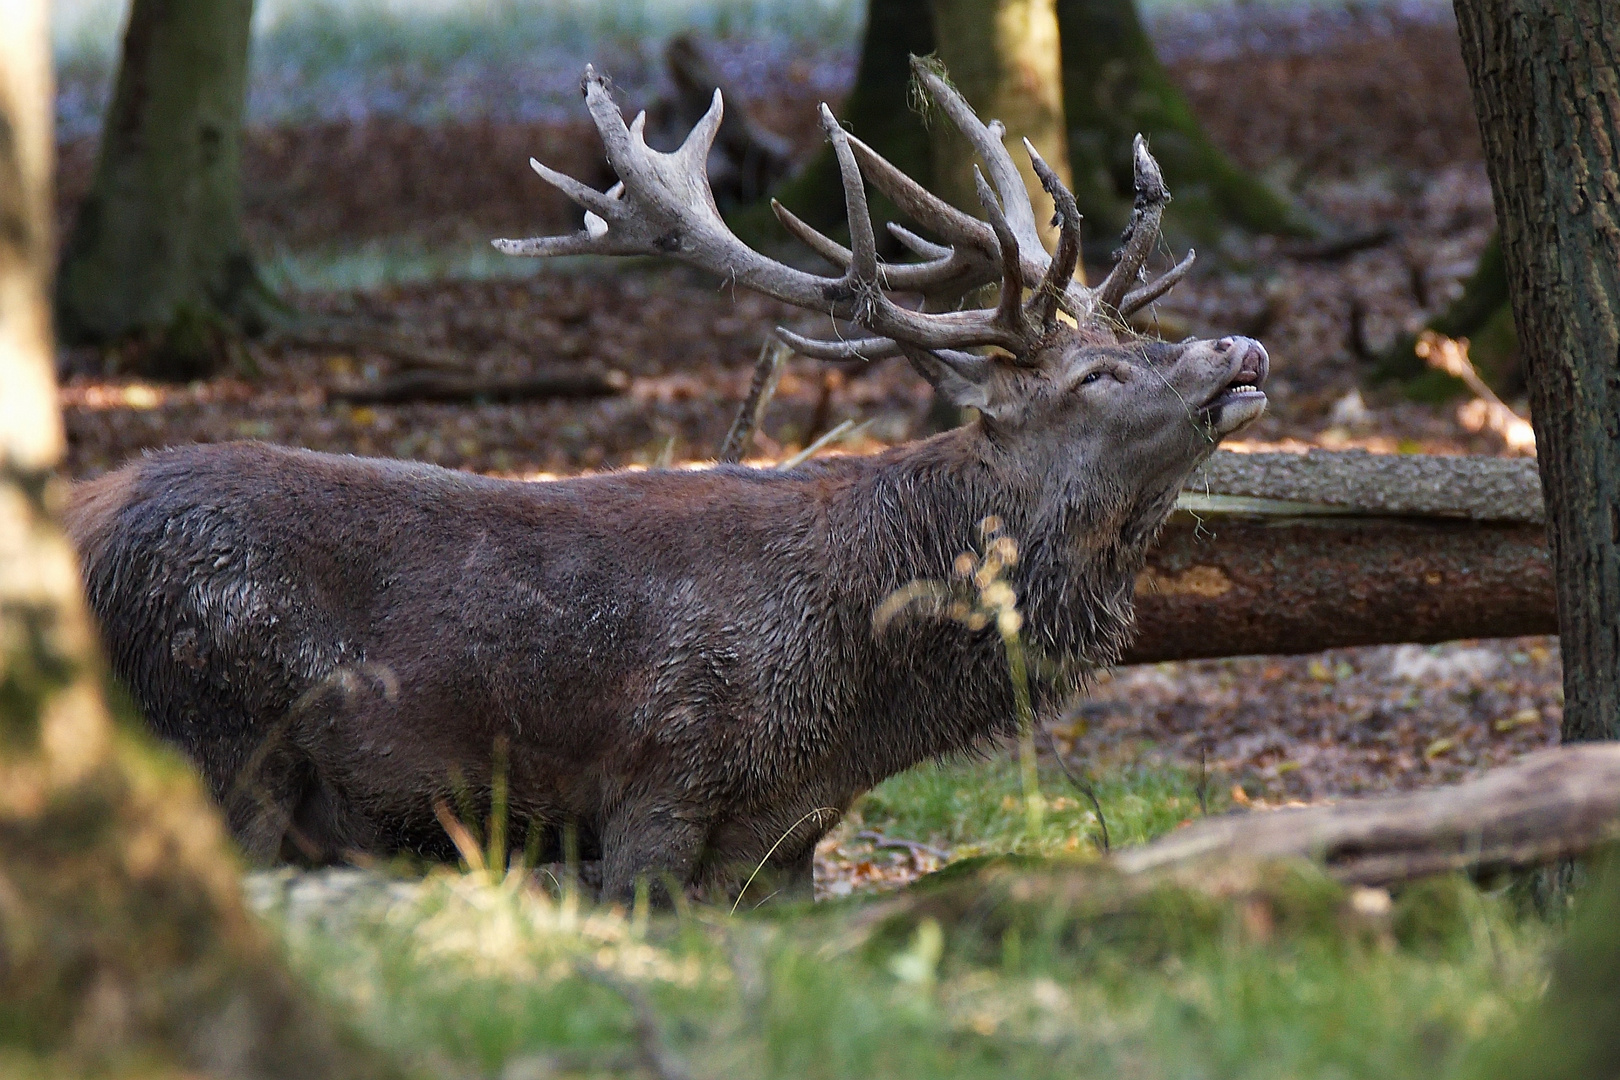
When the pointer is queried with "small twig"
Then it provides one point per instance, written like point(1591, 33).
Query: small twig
point(878, 840)
point(1334, 248)
point(1356, 338)
point(425, 386)
point(767, 371)
point(656, 1057)
point(816, 813)
point(1203, 780)
point(1085, 787)
point(844, 431)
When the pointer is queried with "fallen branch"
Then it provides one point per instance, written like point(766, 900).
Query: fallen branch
point(1551, 805)
point(656, 1057)
point(426, 386)
point(767, 371)
point(356, 337)
point(878, 840)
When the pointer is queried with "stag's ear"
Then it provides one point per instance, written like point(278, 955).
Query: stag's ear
point(967, 381)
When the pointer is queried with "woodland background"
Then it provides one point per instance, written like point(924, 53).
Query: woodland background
point(388, 142)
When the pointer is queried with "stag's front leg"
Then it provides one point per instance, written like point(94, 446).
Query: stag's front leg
point(652, 840)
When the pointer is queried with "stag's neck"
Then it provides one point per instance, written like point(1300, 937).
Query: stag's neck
point(905, 516)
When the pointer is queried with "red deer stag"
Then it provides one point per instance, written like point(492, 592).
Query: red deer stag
point(683, 666)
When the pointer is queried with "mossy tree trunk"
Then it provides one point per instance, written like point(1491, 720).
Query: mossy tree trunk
point(1114, 87)
point(125, 947)
point(878, 111)
point(157, 264)
point(1003, 56)
point(1546, 81)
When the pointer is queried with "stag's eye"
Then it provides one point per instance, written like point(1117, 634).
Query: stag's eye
point(1091, 377)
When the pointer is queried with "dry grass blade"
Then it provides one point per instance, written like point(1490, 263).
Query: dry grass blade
point(466, 844)
point(846, 430)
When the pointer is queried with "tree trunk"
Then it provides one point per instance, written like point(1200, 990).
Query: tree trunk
point(1004, 58)
point(1546, 83)
point(157, 264)
point(878, 111)
point(1115, 87)
point(124, 942)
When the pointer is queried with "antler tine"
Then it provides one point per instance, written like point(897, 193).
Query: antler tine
point(974, 252)
point(695, 147)
point(875, 311)
point(1010, 308)
point(943, 274)
point(922, 205)
point(663, 206)
point(1055, 284)
point(811, 237)
point(1140, 298)
point(866, 348)
point(915, 244)
point(1143, 231)
point(862, 244)
point(986, 140)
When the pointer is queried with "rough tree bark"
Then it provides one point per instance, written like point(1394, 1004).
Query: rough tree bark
point(1114, 87)
point(1546, 81)
point(125, 946)
point(156, 262)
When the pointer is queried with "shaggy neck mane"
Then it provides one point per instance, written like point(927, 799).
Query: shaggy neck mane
point(904, 516)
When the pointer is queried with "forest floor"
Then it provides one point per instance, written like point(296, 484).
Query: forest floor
point(380, 219)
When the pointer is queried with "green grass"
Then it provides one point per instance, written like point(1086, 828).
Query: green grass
point(976, 807)
point(1026, 968)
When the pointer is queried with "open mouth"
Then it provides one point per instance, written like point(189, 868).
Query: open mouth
point(1244, 387)
point(1240, 400)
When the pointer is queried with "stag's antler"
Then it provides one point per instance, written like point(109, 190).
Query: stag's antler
point(662, 205)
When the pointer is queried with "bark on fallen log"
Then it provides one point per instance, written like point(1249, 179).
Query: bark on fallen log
point(423, 386)
point(1295, 553)
point(1551, 805)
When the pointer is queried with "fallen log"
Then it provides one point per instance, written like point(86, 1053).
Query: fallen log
point(426, 386)
point(1295, 553)
point(1550, 805)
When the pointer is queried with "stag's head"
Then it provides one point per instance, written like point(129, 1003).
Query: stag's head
point(1062, 385)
